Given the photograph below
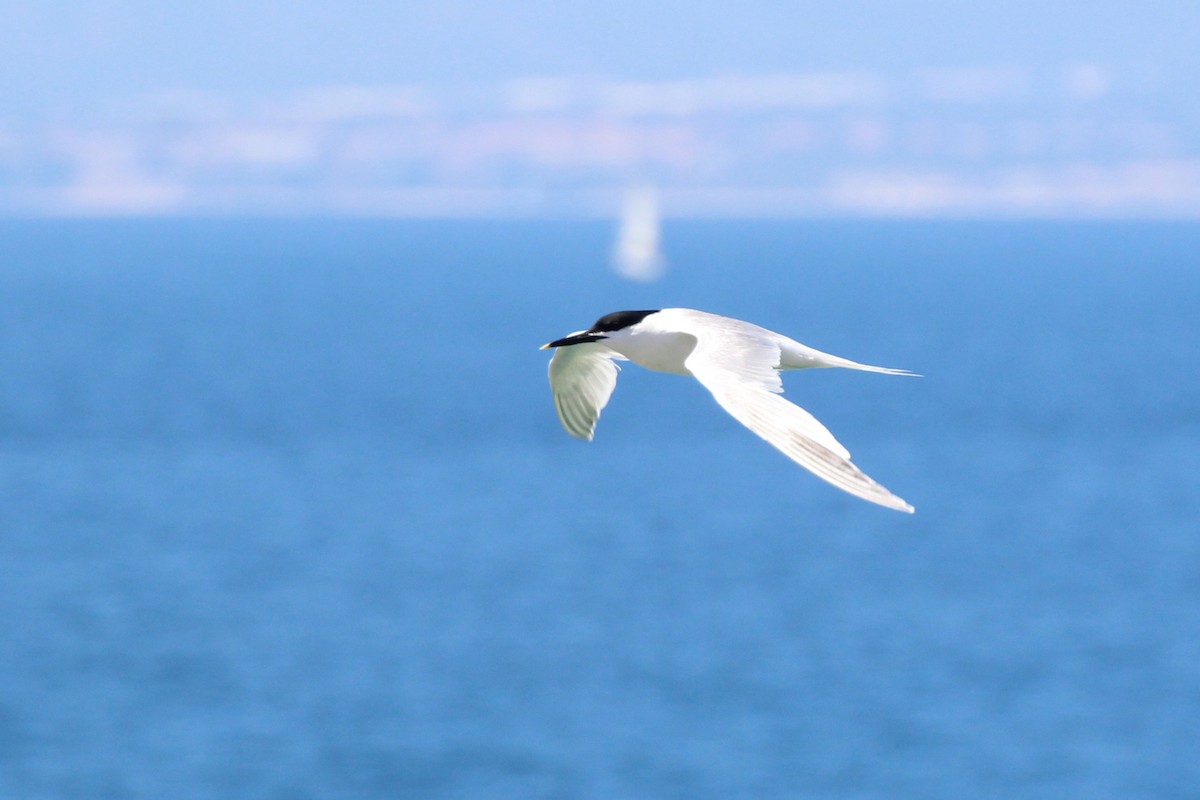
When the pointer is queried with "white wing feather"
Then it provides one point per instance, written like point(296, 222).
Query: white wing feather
point(582, 378)
point(750, 355)
point(731, 370)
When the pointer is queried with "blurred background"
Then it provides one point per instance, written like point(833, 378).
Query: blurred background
point(459, 108)
point(285, 511)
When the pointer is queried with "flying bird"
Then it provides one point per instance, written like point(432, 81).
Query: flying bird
point(737, 361)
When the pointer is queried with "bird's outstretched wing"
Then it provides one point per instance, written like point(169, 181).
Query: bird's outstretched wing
point(785, 426)
point(582, 378)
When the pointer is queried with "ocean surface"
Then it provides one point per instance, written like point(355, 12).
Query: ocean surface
point(285, 513)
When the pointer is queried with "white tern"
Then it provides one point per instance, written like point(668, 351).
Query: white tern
point(737, 361)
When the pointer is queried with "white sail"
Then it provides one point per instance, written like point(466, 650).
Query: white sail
point(636, 254)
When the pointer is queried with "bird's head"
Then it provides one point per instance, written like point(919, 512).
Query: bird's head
point(603, 328)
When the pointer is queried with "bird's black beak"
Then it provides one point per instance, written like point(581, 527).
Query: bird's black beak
point(575, 338)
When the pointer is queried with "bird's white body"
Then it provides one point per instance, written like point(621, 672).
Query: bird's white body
point(665, 340)
point(737, 361)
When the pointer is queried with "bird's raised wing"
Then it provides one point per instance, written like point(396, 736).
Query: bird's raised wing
point(785, 426)
point(582, 377)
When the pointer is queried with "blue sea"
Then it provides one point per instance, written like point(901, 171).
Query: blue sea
point(285, 513)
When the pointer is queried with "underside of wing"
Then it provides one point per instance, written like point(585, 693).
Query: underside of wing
point(790, 429)
point(582, 378)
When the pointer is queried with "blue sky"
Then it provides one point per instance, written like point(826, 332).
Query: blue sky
point(928, 107)
point(57, 54)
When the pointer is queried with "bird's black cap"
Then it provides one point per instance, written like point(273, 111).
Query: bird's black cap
point(620, 319)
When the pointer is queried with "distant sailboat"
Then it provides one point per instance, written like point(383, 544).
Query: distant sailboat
point(636, 254)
